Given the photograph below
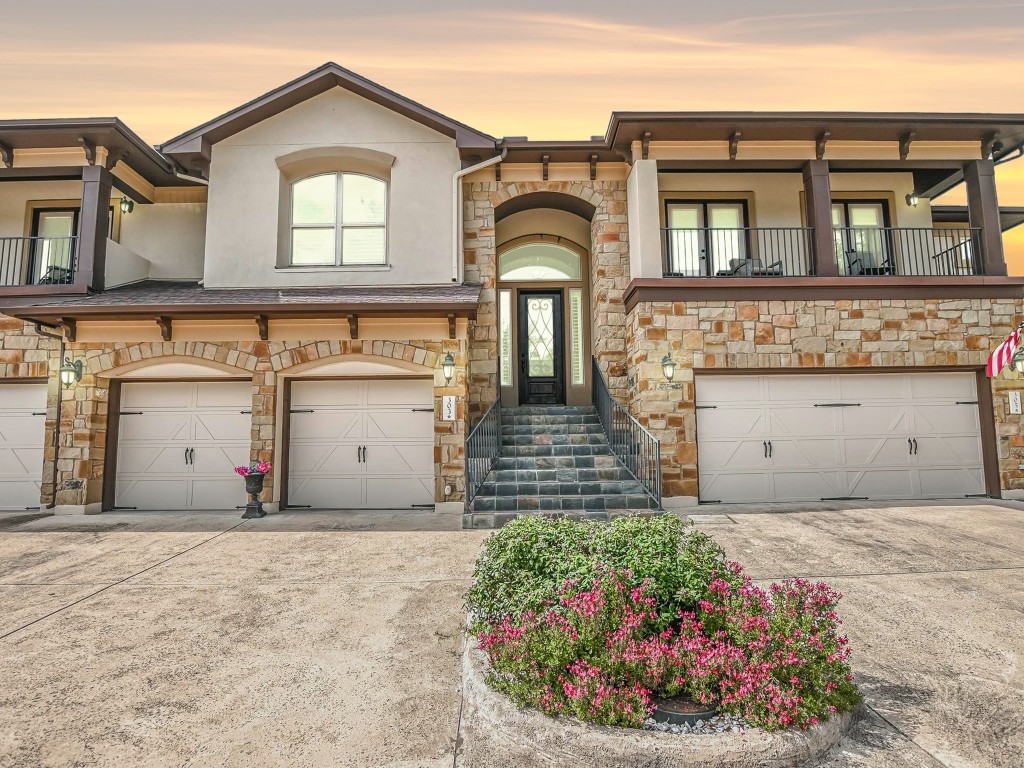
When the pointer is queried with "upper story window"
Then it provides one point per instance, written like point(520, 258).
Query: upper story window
point(338, 219)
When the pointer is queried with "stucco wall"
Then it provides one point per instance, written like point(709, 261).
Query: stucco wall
point(170, 236)
point(242, 236)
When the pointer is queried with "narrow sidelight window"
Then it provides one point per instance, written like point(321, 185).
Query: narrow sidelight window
point(505, 336)
point(338, 219)
point(576, 353)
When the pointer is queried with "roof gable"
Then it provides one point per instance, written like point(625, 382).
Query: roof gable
point(192, 148)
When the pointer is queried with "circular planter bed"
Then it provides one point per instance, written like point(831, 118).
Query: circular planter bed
point(497, 732)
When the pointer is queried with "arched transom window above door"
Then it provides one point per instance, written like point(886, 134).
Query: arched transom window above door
point(539, 262)
point(338, 219)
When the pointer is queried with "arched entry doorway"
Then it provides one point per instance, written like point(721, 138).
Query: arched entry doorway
point(543, 334)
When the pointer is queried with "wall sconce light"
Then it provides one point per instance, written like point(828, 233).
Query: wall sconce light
point(71, 372)
point(448, 368)
point(913, 200)
point(668, 367)
point(127, 205)
point(1018, 360)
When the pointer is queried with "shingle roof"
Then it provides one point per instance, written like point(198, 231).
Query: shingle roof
point(179, 297)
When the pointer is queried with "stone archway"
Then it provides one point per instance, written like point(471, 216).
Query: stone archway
point(609, 272)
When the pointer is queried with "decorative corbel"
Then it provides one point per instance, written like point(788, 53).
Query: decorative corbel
point(545, 160)
point(165, 324)
point(645, 145)
point(905, 141)
point(497, 171)
point(114, 157)
point(988, 145)
point(7, 155)
point(452, 326)
point(819, 145)
point(263, 326)
point(734, 144)
point(593, 167)
point(70, 328)
point(90, 150)
point(353, 326)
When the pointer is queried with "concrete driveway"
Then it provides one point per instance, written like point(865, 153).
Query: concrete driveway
point(306, 639)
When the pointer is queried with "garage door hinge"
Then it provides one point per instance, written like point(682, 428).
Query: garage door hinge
point(836, 405)
point(130, 413)
point(245, 411)
point(967, 402)
point(422, 410)
point(844, 498)
point(302, 410)
point(38, 413)
point(699, 407)
point(115, 508)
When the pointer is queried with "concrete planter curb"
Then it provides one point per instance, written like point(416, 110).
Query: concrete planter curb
point(497, 732)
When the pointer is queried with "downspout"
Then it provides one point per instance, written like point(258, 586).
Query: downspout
point(60, 402)
point(457, 213)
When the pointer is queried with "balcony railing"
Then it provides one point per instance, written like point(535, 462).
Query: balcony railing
point(746, 252)
point(37, 260)
point(940, 251)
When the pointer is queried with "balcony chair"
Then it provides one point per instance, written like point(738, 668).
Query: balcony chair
point(752, 268)
point(855, 266)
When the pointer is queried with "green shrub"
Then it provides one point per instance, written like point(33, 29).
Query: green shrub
point(525, 564)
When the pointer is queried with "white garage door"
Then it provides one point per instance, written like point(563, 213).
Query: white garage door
point(179, 442)
point(812, 437)
point(22, 432)
point(361, 444)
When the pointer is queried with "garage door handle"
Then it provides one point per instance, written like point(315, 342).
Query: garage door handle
point(915, 446)
point(186, 456)
point(770, 449)
point(765, 444)
point(910, 446)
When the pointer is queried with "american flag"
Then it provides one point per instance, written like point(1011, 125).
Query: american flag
point(1002, 355)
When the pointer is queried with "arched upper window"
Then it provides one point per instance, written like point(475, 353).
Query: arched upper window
point(538, 261)
point(338, 219)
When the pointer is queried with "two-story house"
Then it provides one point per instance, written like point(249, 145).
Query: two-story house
point(336, 279)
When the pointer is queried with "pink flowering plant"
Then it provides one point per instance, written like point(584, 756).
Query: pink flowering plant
point(257, 468)
point(601, 649)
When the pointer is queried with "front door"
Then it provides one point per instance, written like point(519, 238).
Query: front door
point(541, 358)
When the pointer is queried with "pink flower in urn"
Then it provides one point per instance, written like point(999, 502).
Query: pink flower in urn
point(260, 468)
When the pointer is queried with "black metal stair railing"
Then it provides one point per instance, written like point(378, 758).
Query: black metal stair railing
point(483, 446)
point(634, 446)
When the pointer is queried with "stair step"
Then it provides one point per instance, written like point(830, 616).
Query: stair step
point(565, 475)
point(556, 450)
point(538, 503)
point(519, 420)
point(554, 439)
point(533, 430)
point(605, 461)
point(559, 488)
point(549, 410)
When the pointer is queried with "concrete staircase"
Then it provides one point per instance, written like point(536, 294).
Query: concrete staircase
point(555, 460)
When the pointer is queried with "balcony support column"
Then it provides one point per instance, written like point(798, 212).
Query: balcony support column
point(93, 225)
point(644, 220)
point(983, 212)
point(818, 205)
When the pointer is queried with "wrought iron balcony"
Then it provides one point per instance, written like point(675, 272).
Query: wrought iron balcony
point(745, 252)
point(892, 251)
point(26, 261)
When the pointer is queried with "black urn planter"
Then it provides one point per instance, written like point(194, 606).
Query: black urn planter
point(253, 487)
point(682, 709)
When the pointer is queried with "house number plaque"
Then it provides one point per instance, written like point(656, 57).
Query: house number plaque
point(448, 408)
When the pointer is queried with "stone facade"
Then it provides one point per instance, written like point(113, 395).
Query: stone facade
point(609, 275)
point(83, 408)
point(756, 335)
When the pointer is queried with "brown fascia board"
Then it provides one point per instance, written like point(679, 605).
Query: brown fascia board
point(672, 289)
point(109, 132)
point(627, 127)
point(190, 145)
point(52, 312)
point(526, 151)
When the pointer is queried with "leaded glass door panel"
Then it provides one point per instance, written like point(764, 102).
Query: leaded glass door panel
point(541, 348)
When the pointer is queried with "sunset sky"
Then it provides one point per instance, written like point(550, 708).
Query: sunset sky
point(547, 70)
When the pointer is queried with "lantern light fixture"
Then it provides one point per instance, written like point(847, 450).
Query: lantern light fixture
point(668, 366)
point(448, 368)
point(127, 205)
point(1018, 360)
point(71, 372)
point(913, 200)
